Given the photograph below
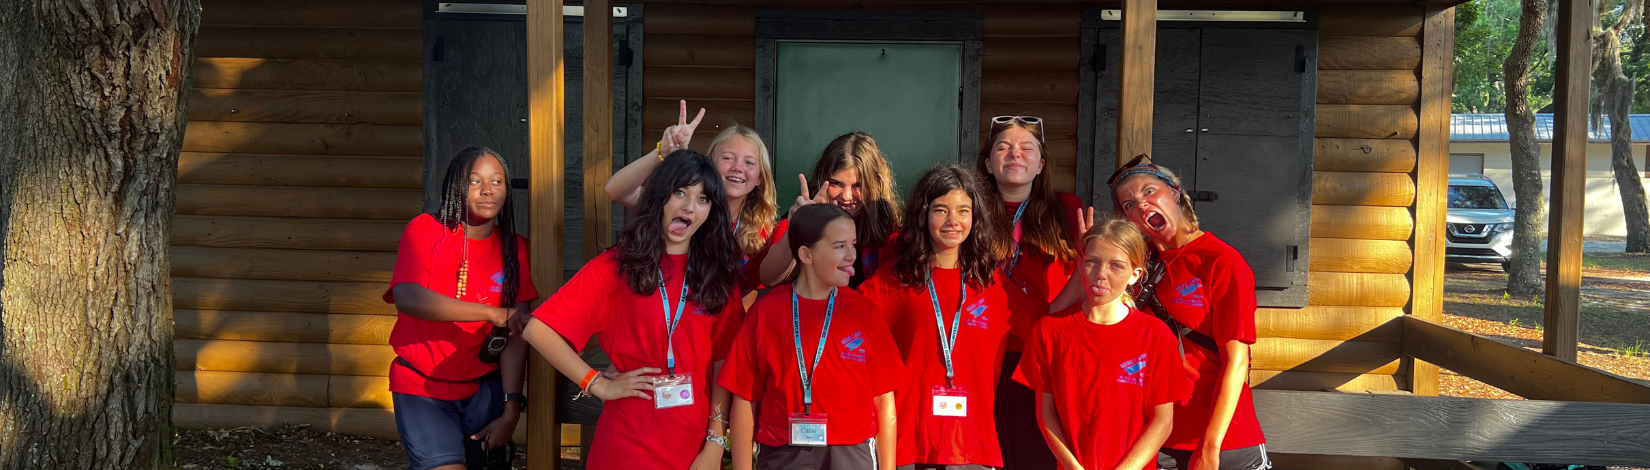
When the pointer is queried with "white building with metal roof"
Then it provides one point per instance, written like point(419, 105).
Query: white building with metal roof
point(1478, 144)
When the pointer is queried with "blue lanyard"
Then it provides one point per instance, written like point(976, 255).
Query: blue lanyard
point(671, 320)
point(948, 344)
point(1015, 258)
point(801, 364)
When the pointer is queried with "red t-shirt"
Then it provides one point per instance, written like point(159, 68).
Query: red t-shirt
point(631, 433)
point(1038, 277)
point(860, 362)
point(750, 264)
point(1105, 379)
point(430, 256)
point(977, 358)
point(1210, 288)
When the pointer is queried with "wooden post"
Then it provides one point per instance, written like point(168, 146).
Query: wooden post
point(1563, 307)
point(1135, 88)
point(1432, 180)
point(598, 125)
point(545, 104)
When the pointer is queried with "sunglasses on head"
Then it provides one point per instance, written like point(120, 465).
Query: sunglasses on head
point(1034, 120)
point(1138, 161)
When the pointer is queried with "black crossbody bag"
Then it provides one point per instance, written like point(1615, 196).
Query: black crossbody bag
point(1146, 296)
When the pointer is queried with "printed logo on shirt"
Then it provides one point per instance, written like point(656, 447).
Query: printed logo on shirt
point(1133, 371)
point(851, 349)
point(498, 282)
point(976, 315)
point(1189, 293)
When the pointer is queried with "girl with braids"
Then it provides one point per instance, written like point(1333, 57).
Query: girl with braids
point(742, 161)
point(664, 304)
point(837, 411)
point(460, 276)
point(1042, 233)
point(944, 277)
point(1205, 291)
point(853, 175)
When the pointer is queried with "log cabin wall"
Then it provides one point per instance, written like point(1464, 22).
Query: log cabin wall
point(301, 165)
point(1367, 120)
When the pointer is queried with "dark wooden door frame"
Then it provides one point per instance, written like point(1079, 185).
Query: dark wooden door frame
point(963, 28)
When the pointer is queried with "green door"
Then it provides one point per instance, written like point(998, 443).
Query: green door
point(907, 96)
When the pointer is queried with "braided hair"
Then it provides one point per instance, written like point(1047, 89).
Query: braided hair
point(453, 211)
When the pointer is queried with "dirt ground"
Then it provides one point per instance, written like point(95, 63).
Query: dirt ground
point(291, 447)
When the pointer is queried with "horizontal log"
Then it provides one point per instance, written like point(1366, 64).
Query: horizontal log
point(308, 74)
point(1408, 426)
point(299, 201)
point(1282, 461)
point(1022, 85)
point(356, 391)
point(1312, 355)
point(312, 13)
point(244, 388)
point(1323, 381)
point(717, 50)
point(1371, 155)
point(300, 170)
point(1330, 323)
point(1357, 289)
point(371, 422)
point(658, 114)
point(717, 83)
point(1370, 20)
point(280, 296)
point(1522, 372)
point(1361, 222)
point(1368, 87)
point(1348, 255)
point(287, 233)
point(1032, 21)
point(290, 265)
point(283, 358)
point(283, 326)
point(307, 106)
point(303, 139)
point(665, 18)
point(1362, 189)
point(381, 43)
point(1366, 121)
point(1016, 53)
point(1368, 53)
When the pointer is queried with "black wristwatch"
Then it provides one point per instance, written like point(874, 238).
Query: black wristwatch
point(516, 397)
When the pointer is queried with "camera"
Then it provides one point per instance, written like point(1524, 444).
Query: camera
point(493, 346)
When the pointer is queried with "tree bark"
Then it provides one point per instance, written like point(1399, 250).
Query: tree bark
point(92, 114)
point(1615, 98)
point(1529, 218)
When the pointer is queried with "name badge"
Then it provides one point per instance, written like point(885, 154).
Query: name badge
point(808, 429)
point(950, 401)
point(671, 392)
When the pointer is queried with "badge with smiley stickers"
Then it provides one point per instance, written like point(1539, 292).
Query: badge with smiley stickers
point(950, 401)
point(672, 391)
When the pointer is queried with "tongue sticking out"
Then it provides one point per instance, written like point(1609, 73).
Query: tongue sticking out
point(1097, 291)
point(849, 270)
point(678, 226)
point(1156, 221)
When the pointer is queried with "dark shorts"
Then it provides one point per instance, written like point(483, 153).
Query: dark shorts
point(924, 466)
point(437, 432)
point(1018, 433)
point(859, 456)
point(1247, 458)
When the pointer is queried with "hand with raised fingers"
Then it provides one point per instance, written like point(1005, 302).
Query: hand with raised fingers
point(804, 199)
point(1085, 220)
point(633, 384)
point(678, 136)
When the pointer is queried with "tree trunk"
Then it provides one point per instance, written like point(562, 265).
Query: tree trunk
point(1628, 182)
point(1524, 273)
point(92, 114)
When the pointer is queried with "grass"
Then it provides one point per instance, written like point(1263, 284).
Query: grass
point(1612, 310)
point(1635, 262)
point(1637, 349)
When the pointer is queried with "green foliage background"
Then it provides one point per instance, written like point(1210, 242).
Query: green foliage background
point(1484, 33)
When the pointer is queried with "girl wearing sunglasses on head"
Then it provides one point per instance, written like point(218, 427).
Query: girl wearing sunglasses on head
point(1205, 291)
point(852, 174)
point(1042, 232)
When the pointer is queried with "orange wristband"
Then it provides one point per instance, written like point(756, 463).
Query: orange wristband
point(588, 376)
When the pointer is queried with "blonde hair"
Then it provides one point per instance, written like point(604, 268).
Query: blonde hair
point(756, 216)
point(879, 217)
point(1124, 235)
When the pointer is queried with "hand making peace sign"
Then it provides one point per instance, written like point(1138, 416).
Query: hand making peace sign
point(803, 199)
point(677, 137)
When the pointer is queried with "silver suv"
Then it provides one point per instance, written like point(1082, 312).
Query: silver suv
point(1480, 224)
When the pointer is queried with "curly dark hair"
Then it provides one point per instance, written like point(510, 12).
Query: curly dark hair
point(980, 253)
point(452, 212)
point(641, 245)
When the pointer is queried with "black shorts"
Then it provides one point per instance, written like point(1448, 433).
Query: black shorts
point(859, 456)
point(1018, 433)
point(437, 432)
point(1247, 458)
